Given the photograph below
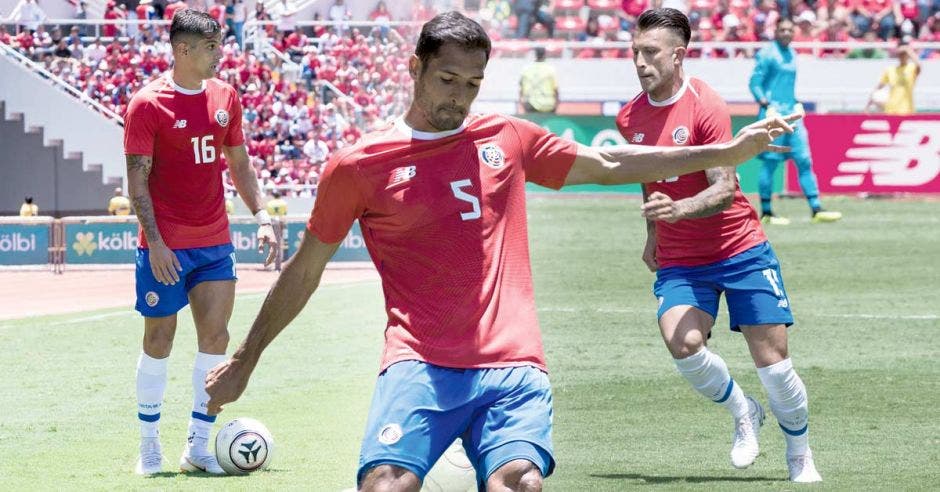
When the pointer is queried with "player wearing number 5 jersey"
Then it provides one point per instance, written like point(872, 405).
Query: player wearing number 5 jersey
point(440, 197)
point(177, 129)
point(704, 239)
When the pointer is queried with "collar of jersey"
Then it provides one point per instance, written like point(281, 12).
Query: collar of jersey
point(419, 135)
point(672, 100)
point(183, 90)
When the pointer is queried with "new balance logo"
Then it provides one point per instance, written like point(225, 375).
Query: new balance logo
point(179, 124)
point(638, 137)
point(783, 303)
point(402, 174)
point(909, 157)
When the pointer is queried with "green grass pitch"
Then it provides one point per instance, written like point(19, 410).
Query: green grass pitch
point(864, 293)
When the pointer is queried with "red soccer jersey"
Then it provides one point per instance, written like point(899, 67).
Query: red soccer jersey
point(444, 218)
point(696, 115)
point(184, 131)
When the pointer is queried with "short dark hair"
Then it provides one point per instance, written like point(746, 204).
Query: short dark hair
point(189, 22)
point(667, 19)
point(451, 28)
point(539, 52)
point(28, 199)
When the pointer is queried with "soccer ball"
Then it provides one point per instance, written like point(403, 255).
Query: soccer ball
point(453, 472)
point(243, 446)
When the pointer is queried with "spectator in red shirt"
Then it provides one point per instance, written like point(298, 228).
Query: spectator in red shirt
point(876, 15)
point(110, 30)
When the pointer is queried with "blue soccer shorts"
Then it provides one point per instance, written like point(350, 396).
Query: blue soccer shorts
point(751, 281)
point(418, 409)
point(155, 300)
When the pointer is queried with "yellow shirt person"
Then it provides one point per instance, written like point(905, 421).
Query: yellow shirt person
point(538, 87)
point(900, 81)
point(119, 204)
point(29, 209)
point(277, 207)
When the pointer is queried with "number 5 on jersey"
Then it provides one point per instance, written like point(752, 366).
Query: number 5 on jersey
point(461, 195)
point(203, 150)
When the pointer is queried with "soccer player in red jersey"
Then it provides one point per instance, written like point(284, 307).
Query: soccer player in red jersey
point(704, 238)
point(176, 129)
point(440, 197)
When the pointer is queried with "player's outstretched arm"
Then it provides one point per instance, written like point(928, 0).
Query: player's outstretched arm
point(243, 176)
point(622, 164)
point(290, 293)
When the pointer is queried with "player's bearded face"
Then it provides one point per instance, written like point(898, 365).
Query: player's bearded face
point(655, 57)
point(206, 55)
point(447, 85)
point(784, 33)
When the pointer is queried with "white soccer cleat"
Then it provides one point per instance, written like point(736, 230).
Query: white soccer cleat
point(150, 460)
point(802, 468)
point(199, 461)
point(745, 447)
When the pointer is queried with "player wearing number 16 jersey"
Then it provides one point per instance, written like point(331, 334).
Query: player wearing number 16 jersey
point(177, 128)
point(440, 198)
point(704, 239)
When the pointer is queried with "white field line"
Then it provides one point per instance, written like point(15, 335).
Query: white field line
point(823, 315)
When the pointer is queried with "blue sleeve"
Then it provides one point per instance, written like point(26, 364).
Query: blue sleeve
point(762, 69)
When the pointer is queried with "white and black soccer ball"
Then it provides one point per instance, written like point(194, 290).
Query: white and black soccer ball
point(244, 445)
point(453, 472)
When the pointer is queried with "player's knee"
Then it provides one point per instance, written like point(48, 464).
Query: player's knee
point(390, 478)
point(215, 340)
point(518, 476)
point(158, 343)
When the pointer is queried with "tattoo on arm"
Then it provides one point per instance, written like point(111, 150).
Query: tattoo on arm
point(138, 177)
point(717, 197)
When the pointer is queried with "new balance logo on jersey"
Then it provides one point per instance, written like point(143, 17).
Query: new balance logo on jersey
point(909, 157)
point(638, 137)
point(179, 124)
point(402, 174)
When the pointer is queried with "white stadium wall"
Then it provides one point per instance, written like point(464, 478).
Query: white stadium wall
point(836, 85)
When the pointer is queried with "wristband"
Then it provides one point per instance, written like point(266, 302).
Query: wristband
point(263, 217)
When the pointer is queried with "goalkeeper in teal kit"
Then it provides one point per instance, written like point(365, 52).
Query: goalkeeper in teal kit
point(772, 85)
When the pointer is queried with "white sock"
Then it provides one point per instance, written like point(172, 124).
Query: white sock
point(708, 374)
point(787, 396)
point(200, 423)
point(151, 384)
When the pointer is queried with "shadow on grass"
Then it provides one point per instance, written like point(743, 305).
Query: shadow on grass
point(170, 474)
point(687, 479)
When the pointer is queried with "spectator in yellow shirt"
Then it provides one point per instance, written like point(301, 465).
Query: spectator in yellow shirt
point(29, 209)
point(538, 87)
point(119, 204)
point(900, 81)
point(277, 207)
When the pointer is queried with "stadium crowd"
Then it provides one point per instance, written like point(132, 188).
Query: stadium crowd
point(333, 84)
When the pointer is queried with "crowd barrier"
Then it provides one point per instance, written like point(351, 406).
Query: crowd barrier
point(114, 240)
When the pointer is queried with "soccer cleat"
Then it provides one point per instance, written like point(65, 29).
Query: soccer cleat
point(197, 459)
point(821, 216)
point(772, 219)
point(802, 468)
point(151, 459)
point(745, 447)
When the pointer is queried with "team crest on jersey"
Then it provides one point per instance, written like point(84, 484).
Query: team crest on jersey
point(221, 117)
point(638, 137)
point(390, 434)
point(680, 135)
point(152, 298)
point(492, 156)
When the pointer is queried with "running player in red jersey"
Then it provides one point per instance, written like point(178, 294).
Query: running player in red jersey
point(176, 130)
point(704, 238)
point(440, 196)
